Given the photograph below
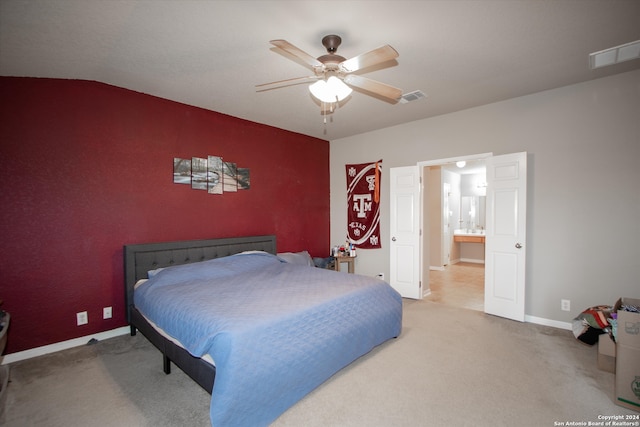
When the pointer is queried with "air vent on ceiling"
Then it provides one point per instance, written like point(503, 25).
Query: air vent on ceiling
point(412, 96)
point(625, 52)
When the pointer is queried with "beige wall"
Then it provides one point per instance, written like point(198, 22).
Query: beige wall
point(583, 145)
point(433, 203)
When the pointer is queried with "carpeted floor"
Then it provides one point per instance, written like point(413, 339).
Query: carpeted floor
point(450, 367)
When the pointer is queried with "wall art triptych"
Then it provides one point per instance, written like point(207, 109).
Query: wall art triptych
point(211, 174)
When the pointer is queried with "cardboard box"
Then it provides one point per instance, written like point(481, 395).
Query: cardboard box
point(628, 377)
point(628, 332)
point(606, 353)
point(628, 355)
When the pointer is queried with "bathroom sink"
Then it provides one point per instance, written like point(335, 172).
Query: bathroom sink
point(468, 232)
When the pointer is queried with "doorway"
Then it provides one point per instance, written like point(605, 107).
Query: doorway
point(504, 238)
point(455, 207)
point(458, 285)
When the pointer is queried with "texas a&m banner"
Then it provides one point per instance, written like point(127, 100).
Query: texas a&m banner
point(363, 204)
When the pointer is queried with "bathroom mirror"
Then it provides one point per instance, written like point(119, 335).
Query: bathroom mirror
point(472, 212)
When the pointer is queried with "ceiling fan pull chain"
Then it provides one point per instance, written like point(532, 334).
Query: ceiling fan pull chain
point(322, 109)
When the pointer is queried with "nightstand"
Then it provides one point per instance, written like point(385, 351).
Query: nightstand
point(350, 260)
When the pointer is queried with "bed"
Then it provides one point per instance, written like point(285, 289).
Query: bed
point(255, 330)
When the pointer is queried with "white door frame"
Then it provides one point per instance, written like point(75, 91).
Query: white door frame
point(425, 234)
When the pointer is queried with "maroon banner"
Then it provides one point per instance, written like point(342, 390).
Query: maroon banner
point(363, 204)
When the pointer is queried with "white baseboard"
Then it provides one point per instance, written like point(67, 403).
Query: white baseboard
point(548, 322)
point(52, 348)
point(433, 267)
point(475, 261)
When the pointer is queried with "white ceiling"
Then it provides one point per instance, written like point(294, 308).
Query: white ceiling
point(211, 54)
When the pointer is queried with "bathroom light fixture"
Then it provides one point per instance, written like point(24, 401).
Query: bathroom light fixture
point(461, 164)
point(614, 55)
point(331, 90)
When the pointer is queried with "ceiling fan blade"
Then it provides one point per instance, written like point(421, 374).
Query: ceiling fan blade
point(307, 59)
point(283, 83)
point(368, 59)
point(375, 87)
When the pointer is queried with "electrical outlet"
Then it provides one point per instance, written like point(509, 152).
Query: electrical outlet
point(565, 305)
point(82, 318)
point(380, 276)
point(106, 313)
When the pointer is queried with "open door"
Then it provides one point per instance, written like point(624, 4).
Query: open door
point(505, 250)
point(404, 245)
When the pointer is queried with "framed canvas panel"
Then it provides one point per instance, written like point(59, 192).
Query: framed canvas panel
point(198, 173)
point(244, 182)
point(181, 171)
point(230, 177)
point(214, 175)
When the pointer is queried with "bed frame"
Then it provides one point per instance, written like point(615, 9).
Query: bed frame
point(139, 259)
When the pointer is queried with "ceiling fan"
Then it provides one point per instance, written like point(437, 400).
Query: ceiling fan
point(334, 73)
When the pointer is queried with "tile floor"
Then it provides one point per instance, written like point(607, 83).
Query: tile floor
point(459, 285)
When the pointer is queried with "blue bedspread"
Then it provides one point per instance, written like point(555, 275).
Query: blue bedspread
point(275, 330)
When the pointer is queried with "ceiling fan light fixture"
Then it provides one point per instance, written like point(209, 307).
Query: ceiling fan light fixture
point(331, 90)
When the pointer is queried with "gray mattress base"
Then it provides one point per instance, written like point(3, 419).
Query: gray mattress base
point(199, 370)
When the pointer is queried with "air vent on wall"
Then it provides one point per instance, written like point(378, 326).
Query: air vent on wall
point(412, 96)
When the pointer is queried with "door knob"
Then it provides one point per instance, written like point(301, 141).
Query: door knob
point(393, 239)
point(518, 246)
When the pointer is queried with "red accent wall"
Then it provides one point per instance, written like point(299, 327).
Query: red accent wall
point(88, 167)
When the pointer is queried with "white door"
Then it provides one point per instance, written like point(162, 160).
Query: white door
point(505, 250)
point(404, 245)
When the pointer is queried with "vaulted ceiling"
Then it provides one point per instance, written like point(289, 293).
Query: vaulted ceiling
point(212, 54)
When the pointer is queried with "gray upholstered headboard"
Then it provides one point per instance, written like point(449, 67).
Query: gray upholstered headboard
point(139, 259)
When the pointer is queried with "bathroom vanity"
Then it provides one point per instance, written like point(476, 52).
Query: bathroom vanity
point(463, 236)
point(470, 245)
